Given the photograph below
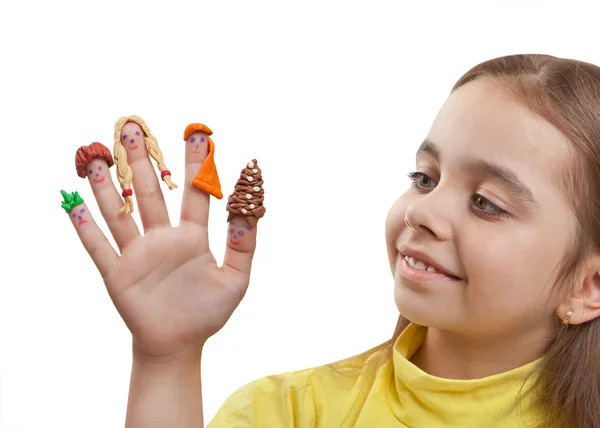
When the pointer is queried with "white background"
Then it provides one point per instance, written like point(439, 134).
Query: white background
point(331, 98)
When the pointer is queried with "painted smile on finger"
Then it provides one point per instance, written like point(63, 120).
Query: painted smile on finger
point(96, 173)
point(196, 147)
point(195, 142)
point(131, 143)
point(236, 234)
point(93, 161)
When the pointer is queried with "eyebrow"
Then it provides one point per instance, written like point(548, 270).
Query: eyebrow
point(504, 175)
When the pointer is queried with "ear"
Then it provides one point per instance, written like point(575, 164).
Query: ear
point(585, 302)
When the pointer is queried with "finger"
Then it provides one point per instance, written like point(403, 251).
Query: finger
point(133, 143)
point(98, 247)
point(201, 178)
point(245, 207)
point(239, 252)
point(94, 162)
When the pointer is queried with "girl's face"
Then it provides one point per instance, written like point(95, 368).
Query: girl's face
point(486, 209)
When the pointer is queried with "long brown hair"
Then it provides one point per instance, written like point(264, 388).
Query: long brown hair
point(566, 93)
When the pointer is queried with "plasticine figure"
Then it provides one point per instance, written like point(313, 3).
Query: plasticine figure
point(94, 161)
point(200, 146)
point(248, 196)
point(73, 204)
point(133, 141)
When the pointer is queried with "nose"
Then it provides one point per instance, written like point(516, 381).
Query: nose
point(432, 214)
point(132, 141)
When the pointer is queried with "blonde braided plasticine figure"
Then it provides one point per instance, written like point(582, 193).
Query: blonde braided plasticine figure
point(134, 141)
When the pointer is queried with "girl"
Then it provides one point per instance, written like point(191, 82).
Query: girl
point(495, 254)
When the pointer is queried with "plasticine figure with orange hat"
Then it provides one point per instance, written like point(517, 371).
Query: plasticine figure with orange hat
point(133, 141)
point(201, 148)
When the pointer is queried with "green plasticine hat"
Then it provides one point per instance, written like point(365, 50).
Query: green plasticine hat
point(70, 200)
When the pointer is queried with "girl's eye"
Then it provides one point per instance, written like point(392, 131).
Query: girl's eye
point(480, 203)
point(241, 233)
point(487, 208)
point(420, 180)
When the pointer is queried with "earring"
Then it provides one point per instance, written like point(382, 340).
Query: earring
point(567, 318)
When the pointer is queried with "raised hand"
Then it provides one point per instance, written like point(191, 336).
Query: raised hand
point(166, 284)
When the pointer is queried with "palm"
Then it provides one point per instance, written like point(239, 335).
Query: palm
point(169, 290)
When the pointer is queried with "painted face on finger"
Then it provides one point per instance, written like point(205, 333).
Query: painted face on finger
point(239, 235)
point(97, 172)
point(132, 138)
point(196, 147)
point(74, 205)
point(79, 215)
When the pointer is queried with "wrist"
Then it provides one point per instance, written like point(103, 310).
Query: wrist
point(165, 391)
point(185, 362)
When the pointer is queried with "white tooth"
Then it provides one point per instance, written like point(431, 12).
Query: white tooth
point(411, 262)
point(420, 266)
point(431, 269)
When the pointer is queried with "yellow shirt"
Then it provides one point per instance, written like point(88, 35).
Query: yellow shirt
point(371, 390)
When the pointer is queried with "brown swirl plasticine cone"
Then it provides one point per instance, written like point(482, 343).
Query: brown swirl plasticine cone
point(248, 196)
